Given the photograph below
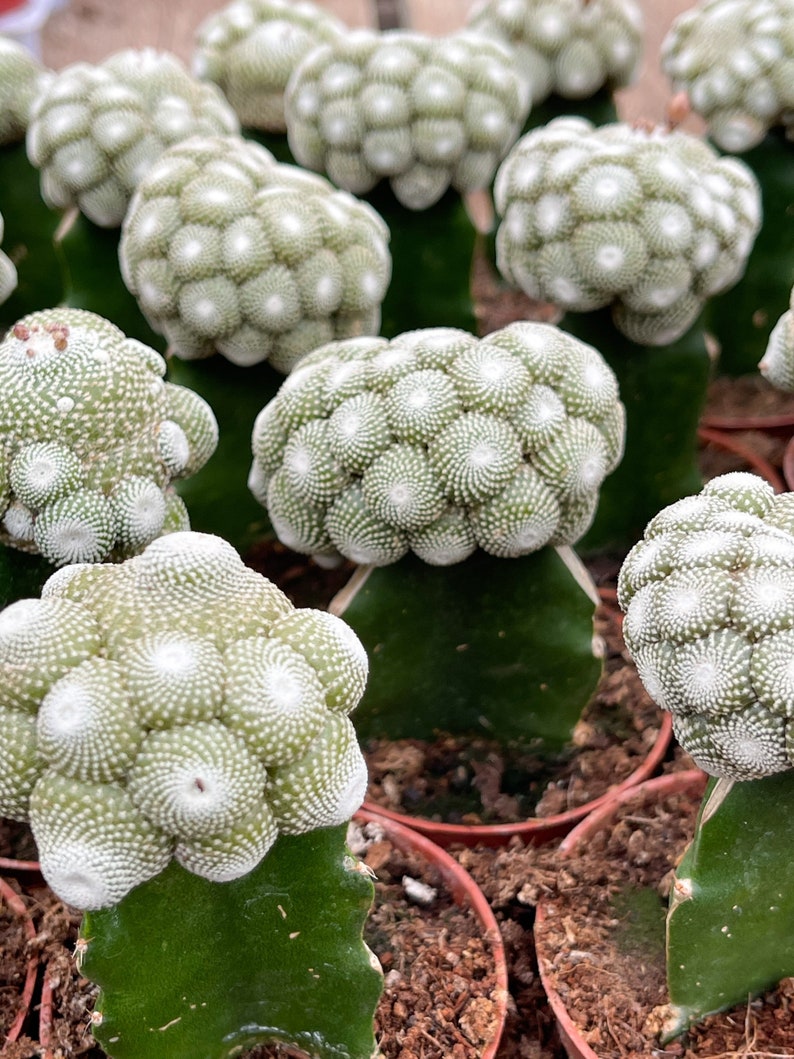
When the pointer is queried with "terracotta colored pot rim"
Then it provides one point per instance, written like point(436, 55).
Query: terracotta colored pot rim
point(465, 892)
point(758, 463)
point(17, 906)
point(781, 423)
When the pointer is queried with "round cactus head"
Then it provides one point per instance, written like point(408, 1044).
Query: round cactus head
point(650, 222)
point(226, 249)
point(96, 130)
point(173, 705)
point(570, 48)
point(425, 114)
point(249, 49)
point(8, 272)
point(438, 442)
point(709, 600)
point(735, 61)
point(91, 437)
point(777, 363)
point(22, 77)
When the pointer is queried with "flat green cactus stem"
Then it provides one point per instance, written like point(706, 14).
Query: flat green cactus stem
point(730, 928)
point(190, 969)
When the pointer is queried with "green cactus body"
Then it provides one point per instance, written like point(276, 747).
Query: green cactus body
point(709, 600)
point(94, 131)
point(226, 249)
point(92, 438)
point(22, 77)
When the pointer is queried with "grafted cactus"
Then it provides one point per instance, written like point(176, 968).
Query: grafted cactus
point(8, 273)
point(91, 438)
point(226, 249)
point(777, 363)
point(94, 131)
point(22, 76)
point(249, 48)
point(425, 114)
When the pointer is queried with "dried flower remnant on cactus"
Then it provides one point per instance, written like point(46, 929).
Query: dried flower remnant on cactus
point(22, 77)
point(777, 363)
point(735, 60)
point(571, 48)
point(173, 705)
point(249, 48)
point(91, 438)
point(95, 131)
point(439, 443)
point(228, 250)
point(425, 114)
point(8, 273)
point(650, 222)
point(708, 595)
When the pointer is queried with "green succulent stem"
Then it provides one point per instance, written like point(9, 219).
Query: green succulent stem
point(190, 969)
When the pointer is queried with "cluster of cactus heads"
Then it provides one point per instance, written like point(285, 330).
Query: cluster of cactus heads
point(777, 363)
point(423, 113)
point(438, 442)
point(22, 77)
point(175, 705)
point(91, 438)
point(228, 250)
point(735, 61)
point(569, 48)
point(651, 222)
point(709, 600)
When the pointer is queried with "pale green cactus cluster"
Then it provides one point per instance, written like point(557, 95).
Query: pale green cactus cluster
point(439, 443)
point(22, 77)
point(95, 130)
point(91, 438)
point(175, 705)
point(423, 113)
point(249, 48)
point(570, 48)
point(8, 273)
point(651, 222)
point(708, 595)
point(228, 250)
point(735, 60)
point(777, 363)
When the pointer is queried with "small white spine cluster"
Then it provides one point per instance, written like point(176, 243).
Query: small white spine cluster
point(8, 272)
point(22, 77)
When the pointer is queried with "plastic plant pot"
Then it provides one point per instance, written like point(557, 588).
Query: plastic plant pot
point(17, 906)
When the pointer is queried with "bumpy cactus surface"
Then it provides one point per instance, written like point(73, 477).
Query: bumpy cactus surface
point(777, 363)
point(227, 249)
point(438, 442)
point(650, 222)
point(95, 130)
point(8, 273)
point(91, 437)
point(423, 113)
point(22, 76)
point(570, 48)
point(249, 49)
point(173, 705)
point(709, 601)
point(735, 60)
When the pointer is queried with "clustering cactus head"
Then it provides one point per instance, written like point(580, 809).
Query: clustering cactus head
point(570, 48)
point(8, 273)
point(651, 222)
point(173, 705)
point(438, 442)
point(250, 48)
point(709, 601)
point(91, 437)
point(735, 60)
point(777, 363)
point(228, 250)
point(95, 130)
point(423, 113)
point(21, 77)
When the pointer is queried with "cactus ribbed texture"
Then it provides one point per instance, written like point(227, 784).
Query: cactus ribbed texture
point(735, 60)
point(438, 442)
point(91, 438)
point(175, 704)
point(95, 131)
point(709, 600)
point(249, 48)
point(22, 77)
point(228, 250)
point(650, 222)
point(425, 114)
point(777, 363)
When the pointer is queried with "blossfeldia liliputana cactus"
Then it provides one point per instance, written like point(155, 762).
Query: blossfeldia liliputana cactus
point(91, 438)
point(95, 130)
point(228, 250)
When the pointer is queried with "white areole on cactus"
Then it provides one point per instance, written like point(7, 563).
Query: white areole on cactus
point(173, 705)
point(95, 131)
point(735, 61)
point(777, 363)
point(8, 272)
point(709, 600)
point(228, 250)
point(650, 222)
point(423, 113)
point(249, 48)
point(22, 77)
point(438, 442)
point(91, 438)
